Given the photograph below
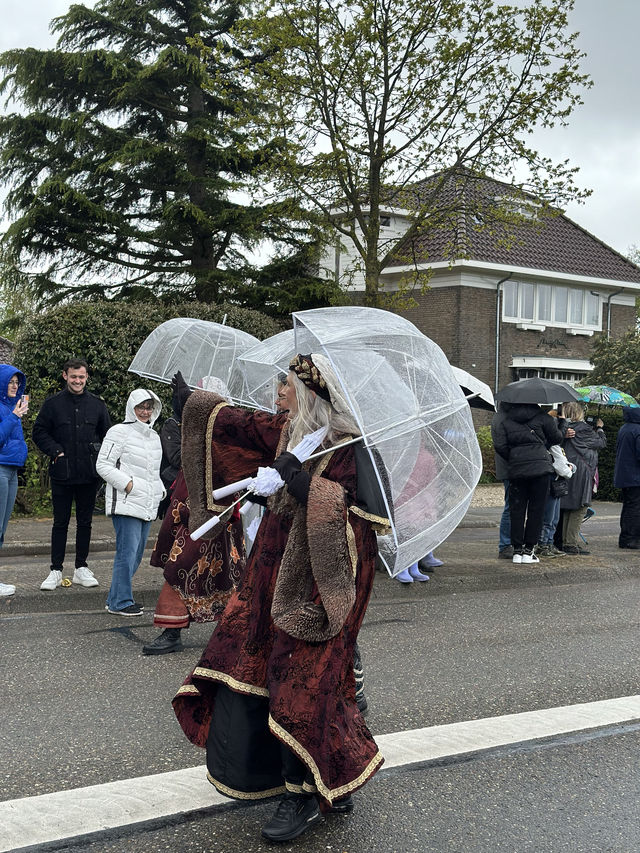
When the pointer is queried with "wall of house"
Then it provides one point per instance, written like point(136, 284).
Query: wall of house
point(461, 320)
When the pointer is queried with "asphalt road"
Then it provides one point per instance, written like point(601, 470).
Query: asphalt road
point(82, 706)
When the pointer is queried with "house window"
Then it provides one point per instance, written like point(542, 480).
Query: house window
point(549, 305)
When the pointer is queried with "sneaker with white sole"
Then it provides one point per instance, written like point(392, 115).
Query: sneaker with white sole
point(7, 589)
point(517, 556)
point(529, 557)
point(52, 580)
point(84, 576)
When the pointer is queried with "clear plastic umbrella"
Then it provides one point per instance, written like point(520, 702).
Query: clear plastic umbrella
point(197, 348)
point(409, 407)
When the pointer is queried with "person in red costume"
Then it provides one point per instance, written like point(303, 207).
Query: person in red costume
point(272, 698)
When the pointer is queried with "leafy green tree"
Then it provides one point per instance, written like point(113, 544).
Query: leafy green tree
point(616, 362)
point(369, 97)
point(125, 176)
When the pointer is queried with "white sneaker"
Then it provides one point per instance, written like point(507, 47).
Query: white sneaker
point(530, 558)
point(7, 589)
point(84, 576)
point(518, 558)
point(52, 580)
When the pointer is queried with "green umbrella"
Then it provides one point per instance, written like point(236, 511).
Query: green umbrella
point(604, 395)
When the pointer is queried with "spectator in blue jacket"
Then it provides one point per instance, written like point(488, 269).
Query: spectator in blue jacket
point(13, 448)
point(626, 476)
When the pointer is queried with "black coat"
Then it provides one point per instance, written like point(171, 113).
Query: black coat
point(522, 439)
point(627, 470)
point(73, 424)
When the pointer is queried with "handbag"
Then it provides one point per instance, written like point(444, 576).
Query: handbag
point(559, 487)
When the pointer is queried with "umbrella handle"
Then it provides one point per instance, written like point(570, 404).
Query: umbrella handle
point(200, 531)
point(225, 491)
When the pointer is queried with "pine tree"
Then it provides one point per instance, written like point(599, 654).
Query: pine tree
point(123, 165)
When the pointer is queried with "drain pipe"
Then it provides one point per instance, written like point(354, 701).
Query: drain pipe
point(609, 298)
point(497, 366)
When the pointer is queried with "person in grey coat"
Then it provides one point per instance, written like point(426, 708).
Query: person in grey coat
point(582, 449)
point(626, 476)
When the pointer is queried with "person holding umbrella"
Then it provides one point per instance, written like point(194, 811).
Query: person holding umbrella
point(272, 698)
point(522, 439)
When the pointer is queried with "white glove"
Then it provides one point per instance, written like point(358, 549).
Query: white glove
point(266, 482)
point(305, 447)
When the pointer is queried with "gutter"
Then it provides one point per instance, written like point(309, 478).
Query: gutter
point(497, 364)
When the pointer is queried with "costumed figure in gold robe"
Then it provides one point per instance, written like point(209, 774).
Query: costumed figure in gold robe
point(272, 698)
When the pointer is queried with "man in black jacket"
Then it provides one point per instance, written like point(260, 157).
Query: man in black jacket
point(69, 430)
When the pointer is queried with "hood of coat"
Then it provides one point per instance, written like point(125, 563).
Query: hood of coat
point(139, 396)
point(523, 412)
point(6, 372)
point(631, 414)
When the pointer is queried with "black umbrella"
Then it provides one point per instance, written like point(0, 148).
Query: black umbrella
point(537, 390)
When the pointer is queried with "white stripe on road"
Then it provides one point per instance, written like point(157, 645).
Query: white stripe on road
point(66, 814)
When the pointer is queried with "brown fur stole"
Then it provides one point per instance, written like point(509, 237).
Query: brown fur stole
point(196, 457)
point(317, 550)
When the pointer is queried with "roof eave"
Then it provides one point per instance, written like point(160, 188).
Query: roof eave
point(485, 266)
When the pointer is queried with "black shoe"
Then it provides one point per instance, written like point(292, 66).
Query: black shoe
point(361, 702)
point(343, 806)
point(506, 553)
point(131, 610)
point(635, 546)
point(572, 550)
point(165, 643)
point(295, 814)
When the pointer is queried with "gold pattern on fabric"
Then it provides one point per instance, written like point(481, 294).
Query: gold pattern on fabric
point(233, 683)
point(188, 688)
point(379, 523)
point(209, 458)
point(243, 795)
point(351, 545)
point(328, 794)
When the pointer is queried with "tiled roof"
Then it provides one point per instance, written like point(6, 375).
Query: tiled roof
point(556, 244)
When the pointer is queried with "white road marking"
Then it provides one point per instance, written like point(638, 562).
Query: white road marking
point(66, 814)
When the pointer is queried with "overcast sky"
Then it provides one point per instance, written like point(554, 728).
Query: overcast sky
point(603, 138)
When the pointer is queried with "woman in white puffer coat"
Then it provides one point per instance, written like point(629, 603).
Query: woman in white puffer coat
point(129, 461)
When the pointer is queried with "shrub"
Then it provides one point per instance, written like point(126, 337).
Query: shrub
point(488, 457)
point(107, 335)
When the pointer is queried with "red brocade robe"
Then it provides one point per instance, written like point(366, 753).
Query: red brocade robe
point(199, 575)
point(314, 566)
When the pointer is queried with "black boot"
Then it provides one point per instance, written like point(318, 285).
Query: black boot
point(296, 813)
point(165, 643)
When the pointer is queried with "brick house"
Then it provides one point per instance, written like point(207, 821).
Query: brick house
point(507, 309)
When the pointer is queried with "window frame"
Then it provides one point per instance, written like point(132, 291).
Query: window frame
point(522, 288)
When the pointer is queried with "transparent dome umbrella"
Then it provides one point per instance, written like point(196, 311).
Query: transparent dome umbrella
point(197, 348)
point(408, 406)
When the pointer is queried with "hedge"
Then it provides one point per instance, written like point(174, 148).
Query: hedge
point(107, 335)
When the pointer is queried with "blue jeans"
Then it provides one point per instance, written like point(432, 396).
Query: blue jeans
point(131, 537)
point(550, 520)
point(8, 492)
point(505, 520)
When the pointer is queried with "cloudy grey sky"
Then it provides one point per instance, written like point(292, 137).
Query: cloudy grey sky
point(603, 138)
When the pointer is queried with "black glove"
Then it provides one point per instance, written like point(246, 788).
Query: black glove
point(290, 469)
point(181, 393)
point(257, 499)
point(287, 465)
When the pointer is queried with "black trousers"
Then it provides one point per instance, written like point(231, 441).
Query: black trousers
point(62, 497)
point(526, 502)
point(630, 517)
